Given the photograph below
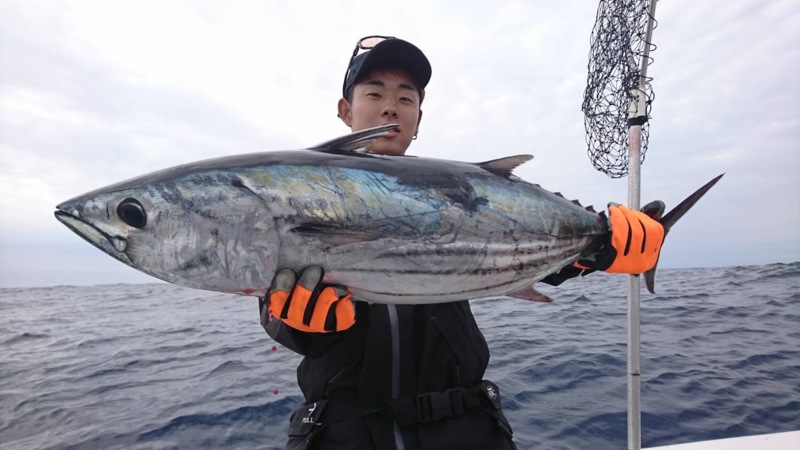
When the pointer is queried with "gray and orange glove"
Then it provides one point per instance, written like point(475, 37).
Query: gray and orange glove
point(635, 242)
point(308, 305)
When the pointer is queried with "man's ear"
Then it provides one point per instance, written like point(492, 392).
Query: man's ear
point(419, 119)
point(344, 112)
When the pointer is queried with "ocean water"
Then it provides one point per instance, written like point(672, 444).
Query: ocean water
point(159, 366)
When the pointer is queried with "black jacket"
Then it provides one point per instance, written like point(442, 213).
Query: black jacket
point(397, 352)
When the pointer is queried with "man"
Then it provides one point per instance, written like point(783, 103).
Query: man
point(400, 377)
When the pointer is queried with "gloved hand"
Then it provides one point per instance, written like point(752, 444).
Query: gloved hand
point(635, 242)
point(308, 305)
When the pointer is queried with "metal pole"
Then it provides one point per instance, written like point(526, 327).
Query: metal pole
point(634, 387)
point(636, 109)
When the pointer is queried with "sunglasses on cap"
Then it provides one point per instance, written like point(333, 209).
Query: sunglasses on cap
point(367, 44)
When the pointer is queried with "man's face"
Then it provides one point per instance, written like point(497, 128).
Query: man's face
point(382, 97)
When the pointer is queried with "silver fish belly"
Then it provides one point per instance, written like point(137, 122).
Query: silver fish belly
point(391, 229)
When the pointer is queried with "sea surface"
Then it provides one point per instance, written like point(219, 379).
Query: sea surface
point(164, 367)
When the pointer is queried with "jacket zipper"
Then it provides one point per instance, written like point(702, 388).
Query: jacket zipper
point(395, 329)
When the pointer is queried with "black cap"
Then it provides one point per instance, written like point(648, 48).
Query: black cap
point(392, 53)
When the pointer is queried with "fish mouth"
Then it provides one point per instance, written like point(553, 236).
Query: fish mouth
point(112, 245)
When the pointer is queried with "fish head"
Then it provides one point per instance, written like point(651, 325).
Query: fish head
point(213, 237)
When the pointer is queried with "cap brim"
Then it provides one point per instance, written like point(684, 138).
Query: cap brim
point(392, 53)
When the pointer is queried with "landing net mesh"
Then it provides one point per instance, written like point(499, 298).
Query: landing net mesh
point(613, 85)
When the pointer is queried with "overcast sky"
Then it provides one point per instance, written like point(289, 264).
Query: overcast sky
point(95, 92)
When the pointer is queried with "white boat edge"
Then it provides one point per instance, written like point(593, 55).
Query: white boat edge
point(775, 441)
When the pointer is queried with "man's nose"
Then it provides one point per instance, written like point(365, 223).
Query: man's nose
point(389, 109)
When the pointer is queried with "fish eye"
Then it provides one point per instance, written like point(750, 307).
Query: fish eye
point(132, 212)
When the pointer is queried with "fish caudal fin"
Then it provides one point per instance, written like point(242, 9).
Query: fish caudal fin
point(655, 210)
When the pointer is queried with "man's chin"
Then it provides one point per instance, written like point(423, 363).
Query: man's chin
point(391, 147)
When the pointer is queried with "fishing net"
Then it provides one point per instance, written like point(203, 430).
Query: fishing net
point(611, 103)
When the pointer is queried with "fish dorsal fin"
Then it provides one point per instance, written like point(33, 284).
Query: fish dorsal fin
point(355, 142)
point(589, 208)
point(504, 166)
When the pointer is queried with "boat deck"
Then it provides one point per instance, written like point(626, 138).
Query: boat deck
point(777, 441)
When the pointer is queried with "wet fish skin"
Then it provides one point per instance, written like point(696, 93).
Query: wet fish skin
point(393, 229)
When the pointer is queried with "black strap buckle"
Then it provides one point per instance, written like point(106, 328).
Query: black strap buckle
point(492, 393)
point(306, 418)
point(438, 405)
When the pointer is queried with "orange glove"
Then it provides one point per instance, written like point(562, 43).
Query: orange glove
point(309, 305)
point(635, 243)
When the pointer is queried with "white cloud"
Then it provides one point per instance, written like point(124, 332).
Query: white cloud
point(95, 92)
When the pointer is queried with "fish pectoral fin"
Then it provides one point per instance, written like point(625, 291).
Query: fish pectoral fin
point(333, 235)
point(504, 166)
point(530, 294)
point(355, 142)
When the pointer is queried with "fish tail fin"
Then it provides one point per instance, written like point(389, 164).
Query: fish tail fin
point(655, 209)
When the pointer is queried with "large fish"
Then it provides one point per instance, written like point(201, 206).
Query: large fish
point(394, 229)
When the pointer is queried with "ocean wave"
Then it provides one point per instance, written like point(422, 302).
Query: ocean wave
point(160, 366)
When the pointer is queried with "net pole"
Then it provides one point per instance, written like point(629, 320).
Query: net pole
point(637, 113)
